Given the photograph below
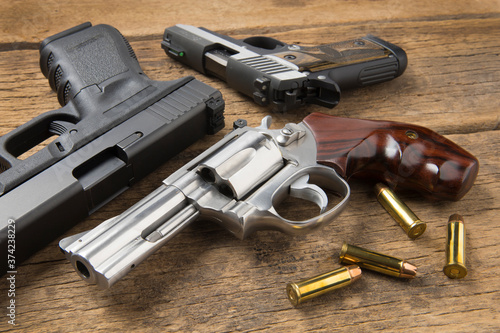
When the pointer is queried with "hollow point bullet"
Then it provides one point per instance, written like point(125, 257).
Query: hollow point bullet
point(411, 224)
point(382, 263)
point(304, 290)
point(455, 248)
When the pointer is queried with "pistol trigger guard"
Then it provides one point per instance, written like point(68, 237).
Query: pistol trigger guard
point(301, 189)
point(327, 91)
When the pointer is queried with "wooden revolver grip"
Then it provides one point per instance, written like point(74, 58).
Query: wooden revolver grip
point(404, 156)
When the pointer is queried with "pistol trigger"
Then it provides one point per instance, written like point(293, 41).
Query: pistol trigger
point(301, 189)
point(59, 127)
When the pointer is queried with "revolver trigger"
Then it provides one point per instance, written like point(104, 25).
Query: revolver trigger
point(301, 189)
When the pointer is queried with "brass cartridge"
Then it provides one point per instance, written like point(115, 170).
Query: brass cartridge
point(455, 248)
point(304, 290)
point(411, 224)
point(382, 263)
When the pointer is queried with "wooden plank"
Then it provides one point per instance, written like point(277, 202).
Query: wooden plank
point(205, 279)
point(25, 22)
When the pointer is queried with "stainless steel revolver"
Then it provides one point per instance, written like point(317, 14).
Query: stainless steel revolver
point(239, 181)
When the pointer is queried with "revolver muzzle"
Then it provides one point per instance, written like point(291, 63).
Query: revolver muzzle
point(108, 252)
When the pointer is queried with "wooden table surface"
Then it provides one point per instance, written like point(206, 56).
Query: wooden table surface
point(205, 279)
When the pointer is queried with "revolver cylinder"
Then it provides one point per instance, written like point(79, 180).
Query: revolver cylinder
point(239, 166)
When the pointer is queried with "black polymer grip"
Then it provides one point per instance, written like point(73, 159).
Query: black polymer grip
point(115, 127)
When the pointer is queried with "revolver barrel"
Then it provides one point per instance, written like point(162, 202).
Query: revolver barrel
point(107, 253)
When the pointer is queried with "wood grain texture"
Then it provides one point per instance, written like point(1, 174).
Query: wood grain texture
point(206, 280)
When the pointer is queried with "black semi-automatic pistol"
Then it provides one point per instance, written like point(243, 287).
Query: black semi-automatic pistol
point(283, 75)
point(115, 126)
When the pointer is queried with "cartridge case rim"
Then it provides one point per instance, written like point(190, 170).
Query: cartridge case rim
point(343, 251)
point(455, 270)
point(417, 229)
point(293, 293)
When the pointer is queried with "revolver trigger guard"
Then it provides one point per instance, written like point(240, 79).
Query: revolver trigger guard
point(301, 189)
point(301, 183)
